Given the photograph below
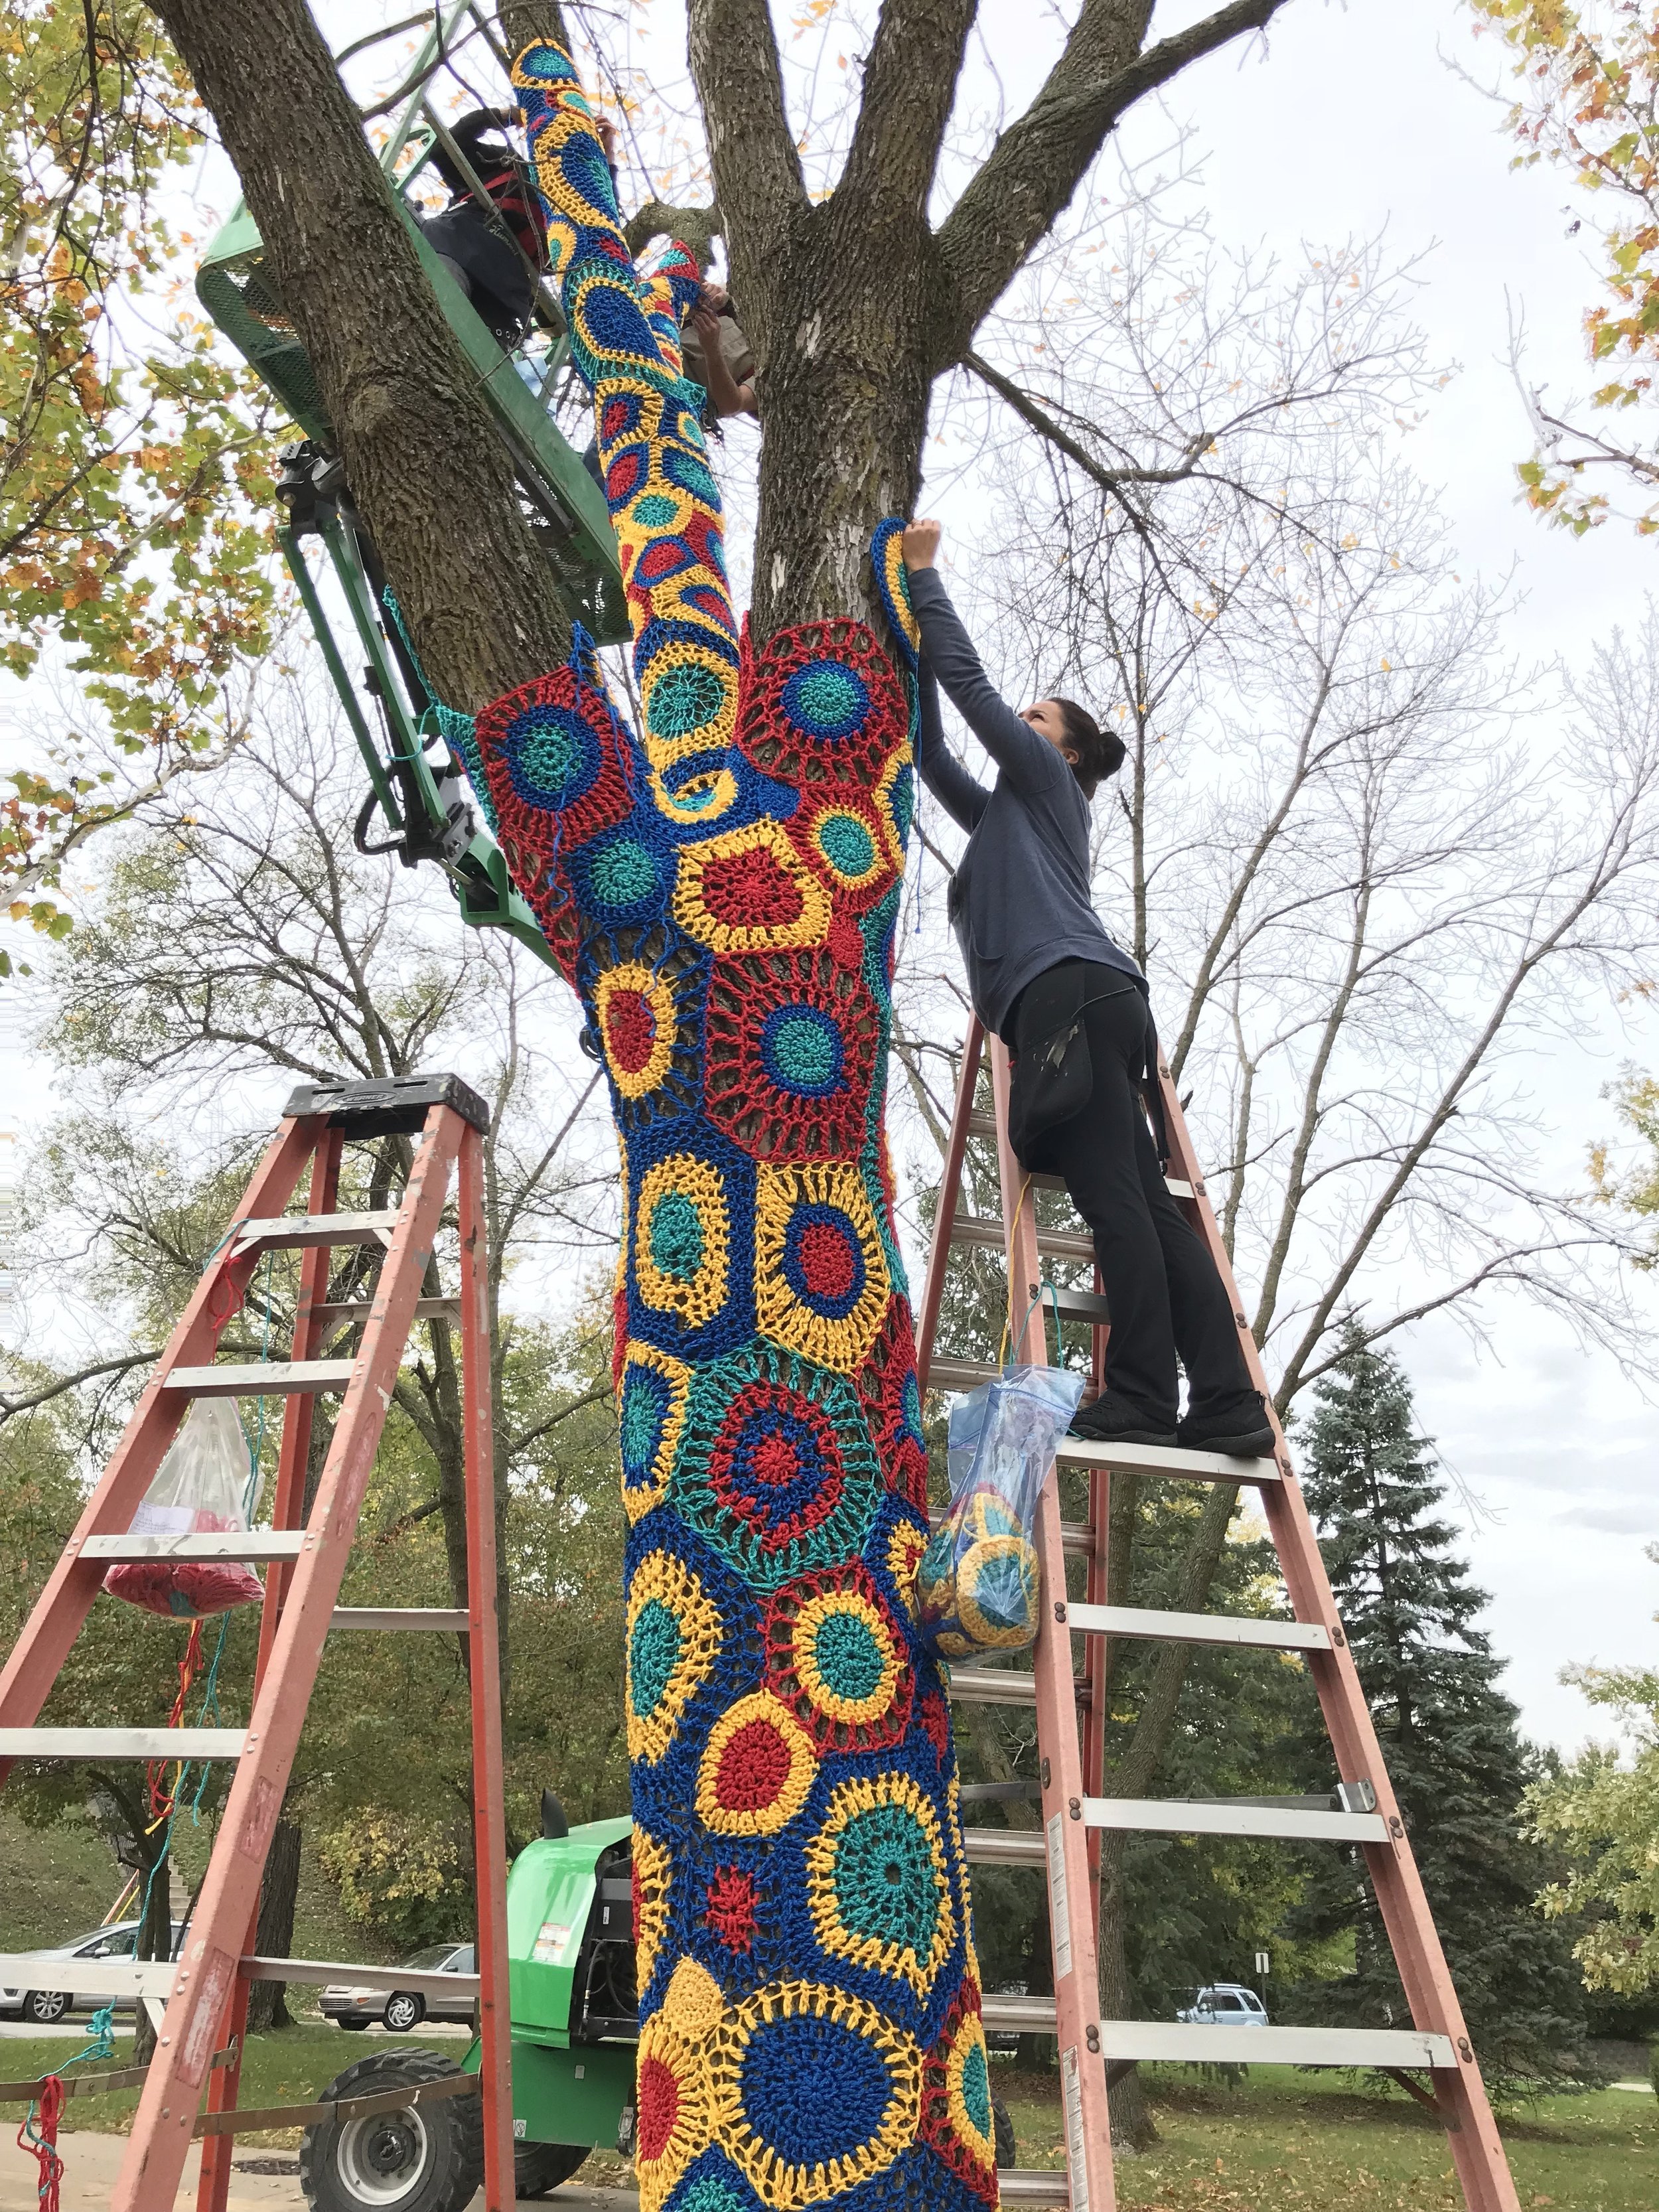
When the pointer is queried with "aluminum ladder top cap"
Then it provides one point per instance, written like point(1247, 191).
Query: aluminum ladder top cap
point(388, 1106)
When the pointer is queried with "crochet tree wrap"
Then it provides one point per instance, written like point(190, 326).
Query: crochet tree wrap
point(722, 890)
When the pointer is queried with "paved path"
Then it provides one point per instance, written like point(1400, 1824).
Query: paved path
point(91, 2162)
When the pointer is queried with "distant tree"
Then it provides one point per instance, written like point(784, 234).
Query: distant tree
point(1601, 1813)
point(1450, 1737)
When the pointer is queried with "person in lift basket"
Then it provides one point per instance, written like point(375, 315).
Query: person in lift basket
point(1072, 1007)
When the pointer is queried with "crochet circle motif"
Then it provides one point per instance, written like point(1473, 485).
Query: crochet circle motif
point(722, 887)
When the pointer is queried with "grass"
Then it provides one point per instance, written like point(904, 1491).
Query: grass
point(60, 1882)
point(1271, 2142)
point(1289, 2142)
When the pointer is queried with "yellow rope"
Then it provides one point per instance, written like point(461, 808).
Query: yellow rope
point(1008, 1310)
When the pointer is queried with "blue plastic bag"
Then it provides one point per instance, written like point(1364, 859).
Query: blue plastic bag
point(978, 1585)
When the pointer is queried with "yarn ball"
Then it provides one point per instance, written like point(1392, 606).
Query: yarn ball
point(978, 1583)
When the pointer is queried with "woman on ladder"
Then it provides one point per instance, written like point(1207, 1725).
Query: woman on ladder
point(1072, 1007)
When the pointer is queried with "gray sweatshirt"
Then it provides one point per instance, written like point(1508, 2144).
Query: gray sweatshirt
point(1020, 900)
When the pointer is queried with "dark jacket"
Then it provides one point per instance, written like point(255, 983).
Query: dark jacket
point(1020, 900)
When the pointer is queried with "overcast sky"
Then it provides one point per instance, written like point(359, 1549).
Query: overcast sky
point(1354, 118)
point(1348, 119)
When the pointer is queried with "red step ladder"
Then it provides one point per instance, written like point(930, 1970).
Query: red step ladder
point(1077, 1805)
point(205, 1990)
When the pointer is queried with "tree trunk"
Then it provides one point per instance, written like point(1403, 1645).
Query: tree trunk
point(267, 2002)
point(1132, 2119)
point(426, 467)
point(844, 387)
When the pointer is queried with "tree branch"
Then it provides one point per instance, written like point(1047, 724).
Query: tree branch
point(910, 83)
point(1038, 162)
point(756, 166)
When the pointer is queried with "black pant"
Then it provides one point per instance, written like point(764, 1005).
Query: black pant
point(1161, 1285)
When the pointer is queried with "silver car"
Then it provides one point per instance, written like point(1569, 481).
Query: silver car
point(1226, 2004)
point(43, 2006)
point(402, 2010)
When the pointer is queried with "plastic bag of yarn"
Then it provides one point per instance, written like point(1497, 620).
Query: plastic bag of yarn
point(200, 1485)
point(978, 1584)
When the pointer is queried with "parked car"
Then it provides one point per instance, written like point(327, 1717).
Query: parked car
point(1226, 2004)
point(402, 2010)
point(43, 2006)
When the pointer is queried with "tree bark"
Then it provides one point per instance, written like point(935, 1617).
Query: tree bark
point(267, 2002)
point(426, 467)
point(1132, 2119)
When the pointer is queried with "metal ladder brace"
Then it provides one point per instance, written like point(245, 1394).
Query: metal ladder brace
point(1077, 1807)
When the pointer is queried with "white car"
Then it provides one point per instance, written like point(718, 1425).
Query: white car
point(1226, 2004)
point(43, 2006)
point(402, 2010)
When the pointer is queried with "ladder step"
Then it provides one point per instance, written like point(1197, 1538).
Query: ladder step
point(1082, 1305)
point(212, 1544)
point(992, 1685)
point(88, 1977)
point(1034, 2184)
point(984, 1124)
point(403, 1616)
point(1023, 2016)
point(1159, 1459)
point(1197, 1628)
point(318, 1973)
point(289, 1232)
point(1003, 1847)
point(1074, 1535)
point(960, 1374)
point(1169, 1816)
point(1058, 1243)
point(1197, 2043)
point(351, 1309)
point(164, 1743)
point(262, 1378)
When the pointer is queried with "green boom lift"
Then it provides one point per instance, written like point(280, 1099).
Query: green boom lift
point(571, 1946)
point(417, 785)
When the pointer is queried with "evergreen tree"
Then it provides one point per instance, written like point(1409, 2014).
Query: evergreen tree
point(1449, 1738)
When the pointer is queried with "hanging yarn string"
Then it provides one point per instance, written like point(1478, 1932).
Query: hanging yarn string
point(38, 2136)
point(39, 2133)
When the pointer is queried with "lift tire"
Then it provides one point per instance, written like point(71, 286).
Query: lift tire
point(538, 2167)
point(1002, 2127)
point(426, 2158)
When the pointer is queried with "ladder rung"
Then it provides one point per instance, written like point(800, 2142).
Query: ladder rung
point(1172, 1816)
point(1034, 2184)
point(1082, 1305)
point(1003, 1847)
point(88, 1977)
point(318, 1973)
point(992, 1685)
point(1198, 2043)
point(289, 1232)
point(1197, 1627)
point(262, 1378)
point(212, 1544)
point(351, 1309)
point(1166, 1460)
point(1058, 1243)
point(403, 1616)
point(984, 1124)
point(164, 1743)
point(960, 1374)
point(1074, 1535)
point(1028, 2015)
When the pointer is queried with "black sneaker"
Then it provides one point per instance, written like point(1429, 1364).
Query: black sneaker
point(1241, 1431)
point(1113, 1420)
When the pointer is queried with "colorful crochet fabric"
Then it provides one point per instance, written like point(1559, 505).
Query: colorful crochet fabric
point(721, 890)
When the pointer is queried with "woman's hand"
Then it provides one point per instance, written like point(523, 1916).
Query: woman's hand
point(919, 544)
